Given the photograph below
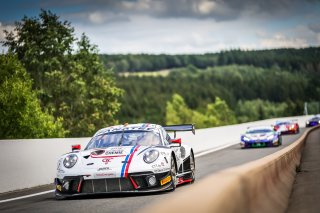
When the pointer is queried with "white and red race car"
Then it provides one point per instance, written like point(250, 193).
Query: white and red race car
point(287, 127)
point(127, 158)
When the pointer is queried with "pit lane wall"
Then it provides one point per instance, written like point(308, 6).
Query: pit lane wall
point(28, 163)
point(261, 186)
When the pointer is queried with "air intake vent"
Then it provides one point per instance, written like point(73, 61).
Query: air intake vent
point(107, 185)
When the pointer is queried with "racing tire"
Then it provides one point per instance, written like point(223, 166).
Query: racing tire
point(173, 173)
point(280, 141)
point(192, 168)
point(58, 197)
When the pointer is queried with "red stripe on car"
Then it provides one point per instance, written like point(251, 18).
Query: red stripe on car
point(129, 161)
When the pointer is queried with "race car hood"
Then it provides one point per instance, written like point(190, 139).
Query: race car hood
point(113, 162)
point(111, 157)
point(259, 136)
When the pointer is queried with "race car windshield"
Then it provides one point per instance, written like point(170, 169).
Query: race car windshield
point(283, 123)
point(258, 131)
point(125, 138)
point(315, 118)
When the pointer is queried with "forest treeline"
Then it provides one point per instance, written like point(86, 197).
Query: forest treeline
point(255, 84)
point(249, 92)
point(306, 59)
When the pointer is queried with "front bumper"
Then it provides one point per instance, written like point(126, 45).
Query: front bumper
point(311, 124)
point(138, 182)
point(290, 131)
point(257, 144)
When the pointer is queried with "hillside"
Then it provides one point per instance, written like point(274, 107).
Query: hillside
point(250, 92)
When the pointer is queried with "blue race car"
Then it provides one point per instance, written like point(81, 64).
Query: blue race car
point(314, 121)
point(261, 136)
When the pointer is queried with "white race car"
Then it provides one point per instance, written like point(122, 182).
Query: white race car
point(127, 158)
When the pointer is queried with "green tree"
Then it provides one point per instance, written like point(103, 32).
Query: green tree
point(217, 113)
point(260, 109)
point(99, 95)
point(41, 44)
point(220, 114)
point(177, 112)
point(20, 112)
point(73, 83)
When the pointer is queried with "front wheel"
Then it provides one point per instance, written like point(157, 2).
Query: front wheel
point(192, 167)
point(173, 172)
point(280, 141)
point(57, 196)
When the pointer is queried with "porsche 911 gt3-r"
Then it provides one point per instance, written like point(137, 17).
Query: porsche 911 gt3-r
point(127, 158)
point(261, 136)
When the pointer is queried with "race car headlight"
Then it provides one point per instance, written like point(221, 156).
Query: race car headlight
point(270, 137)
point(70, 161)
point(245, 138)
point(150, 156)
point(307, 122)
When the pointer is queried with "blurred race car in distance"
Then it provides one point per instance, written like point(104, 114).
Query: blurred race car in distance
point(260, 136)
point(287, 127)
point(314, 121)
point(125, 159)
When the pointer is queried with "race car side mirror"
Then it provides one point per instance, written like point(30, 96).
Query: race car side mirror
point(76, 147)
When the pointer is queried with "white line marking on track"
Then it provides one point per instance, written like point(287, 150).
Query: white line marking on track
point(26, 196)
point(46, 192)
point(214, 150)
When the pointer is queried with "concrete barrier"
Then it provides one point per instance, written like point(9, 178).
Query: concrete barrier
point(32, 162)
point(261, 186)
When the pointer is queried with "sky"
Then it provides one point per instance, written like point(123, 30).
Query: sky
point(179, 26)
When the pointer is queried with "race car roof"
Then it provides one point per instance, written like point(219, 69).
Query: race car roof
point(133, 127)
point(259, 127)
point(286, 122)
point(315, 117)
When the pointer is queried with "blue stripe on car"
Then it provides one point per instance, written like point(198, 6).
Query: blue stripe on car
point(125, 161)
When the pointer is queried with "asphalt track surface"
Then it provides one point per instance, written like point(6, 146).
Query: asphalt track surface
point(205, 165)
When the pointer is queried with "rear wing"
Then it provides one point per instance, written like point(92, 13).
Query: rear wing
point(180, 128)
